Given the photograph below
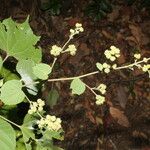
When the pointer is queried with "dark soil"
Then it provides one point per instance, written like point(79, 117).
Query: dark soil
point(87, 126)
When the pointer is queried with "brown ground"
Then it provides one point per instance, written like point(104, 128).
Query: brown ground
point(122, 123)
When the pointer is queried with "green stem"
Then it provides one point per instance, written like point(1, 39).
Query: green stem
point(10, 121)
point(71, 78)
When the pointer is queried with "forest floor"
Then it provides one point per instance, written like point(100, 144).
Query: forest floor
point(123, 122)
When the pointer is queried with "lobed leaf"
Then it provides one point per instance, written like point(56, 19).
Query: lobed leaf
point(18, 40)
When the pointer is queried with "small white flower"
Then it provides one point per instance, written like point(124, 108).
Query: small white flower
point(100, 99)
point(56, 50)
point(112, 58)
point(107, 70)
point(137, 56)
point(78, 25)
point(114, 66)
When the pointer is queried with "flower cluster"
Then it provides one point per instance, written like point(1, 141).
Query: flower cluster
point(103, 67)
point(77, 30)
point(36, 106)
point(72, 49)
point(113, 53)
point(146, 68)
point(102, 88)
point(56, 50)
point(100, 100)
point(137, 56)
point(50, 123)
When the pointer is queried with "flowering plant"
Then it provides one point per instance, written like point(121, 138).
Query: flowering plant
point(38, 129)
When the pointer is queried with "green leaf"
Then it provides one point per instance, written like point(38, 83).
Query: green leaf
point(18, 40)
point(7, 74)
point(52, 97)
point(77, 86)
point(11, 93)
point(25, 69)
point(42, 71)
point(7, 136)
point(27, 135)
point(99, 66)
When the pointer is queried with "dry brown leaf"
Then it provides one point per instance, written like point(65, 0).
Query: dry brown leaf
point(139, 134)
point(137, 33)
point(119, 116)
point(107, 34)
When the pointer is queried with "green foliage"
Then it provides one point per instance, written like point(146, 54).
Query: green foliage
point(27, 135)
point(25, 69)
point(77, 86)
point(52, 6)
point(7, 136)
point(1, 62)
point(52, 97)
point(98, 9)
point(7, 74)
point(11, 92)
point(42, 70)
point(18, 40)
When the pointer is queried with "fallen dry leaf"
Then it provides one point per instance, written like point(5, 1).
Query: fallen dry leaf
point(141, 38)
point(107, 34)
point(119, 116)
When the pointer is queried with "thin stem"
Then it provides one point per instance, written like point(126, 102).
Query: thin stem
point(131, 65)
point(54, 61)
point(5, 59)
point(10, 121)
point(66, 42)
point(71, 78)
point(27, 99)
point(90, 89)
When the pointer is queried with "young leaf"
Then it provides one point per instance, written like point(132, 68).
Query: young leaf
point(42, 70)
point(11, 93)
point(77, 86)
point(18, 40)
point(99, 66)
point(25, 69)
point(7, 136)
point(52, 97)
